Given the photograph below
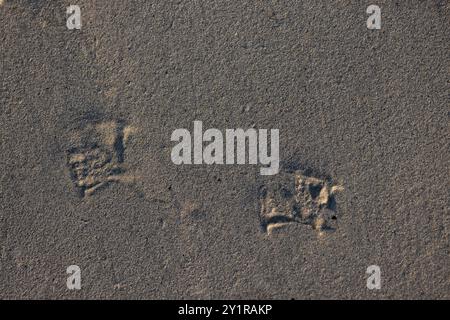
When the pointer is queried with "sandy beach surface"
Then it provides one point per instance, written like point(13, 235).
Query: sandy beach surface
point(87, 177)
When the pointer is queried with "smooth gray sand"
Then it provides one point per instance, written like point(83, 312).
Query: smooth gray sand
point(367, 110)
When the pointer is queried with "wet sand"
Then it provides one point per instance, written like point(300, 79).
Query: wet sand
point(87, 178)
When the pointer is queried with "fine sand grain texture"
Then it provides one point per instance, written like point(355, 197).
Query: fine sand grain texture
point(87, 178)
